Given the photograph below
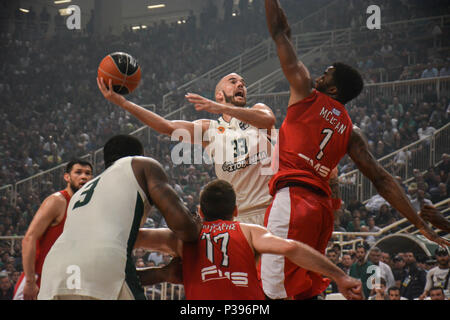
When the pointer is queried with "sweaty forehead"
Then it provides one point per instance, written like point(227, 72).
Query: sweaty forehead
point(330, 70)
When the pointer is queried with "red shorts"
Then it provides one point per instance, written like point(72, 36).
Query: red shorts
point(300, 214)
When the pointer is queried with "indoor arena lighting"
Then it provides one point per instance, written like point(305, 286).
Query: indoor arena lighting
point(24, 10)
point(62, 1)
point(156, 6)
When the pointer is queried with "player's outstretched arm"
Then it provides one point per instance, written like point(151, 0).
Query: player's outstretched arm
point(304, 256)
point(294, 70)
point(49, 210)
point(173, 273)
point(432, 215)
point(259, 116)
point(386, 185)
point(151, 119)
point(178, 217)
point(161, 240)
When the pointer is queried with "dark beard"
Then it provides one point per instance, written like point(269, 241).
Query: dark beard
point(73, 188)
point(230, 99)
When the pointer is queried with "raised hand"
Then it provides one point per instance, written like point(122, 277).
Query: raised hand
point(109, 93)
point(204, 104)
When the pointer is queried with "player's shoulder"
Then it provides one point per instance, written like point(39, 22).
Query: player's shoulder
point(56, 198)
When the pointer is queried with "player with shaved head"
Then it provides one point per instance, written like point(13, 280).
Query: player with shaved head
point(239, 142)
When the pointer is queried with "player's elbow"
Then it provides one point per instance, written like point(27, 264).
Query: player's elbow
point(27, 240)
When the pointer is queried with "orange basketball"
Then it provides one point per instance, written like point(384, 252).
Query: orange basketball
point(123, 70)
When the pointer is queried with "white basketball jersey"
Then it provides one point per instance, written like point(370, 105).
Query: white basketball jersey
point(242, 155)
point(92, 257)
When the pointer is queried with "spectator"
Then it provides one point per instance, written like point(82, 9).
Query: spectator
point(384, 270)
point(386, 258)
point(379, 290)
point(396, 106)
point(6, 288)
point(359, 269)
point(430, 72)
point(394, 294)
point(346, 262)
point(331, 254)
point(437, 294)
point(439, 194)
point(384, 216)
point(425, 130)
point(414, 282)
point(399, 270)
point(438, 276)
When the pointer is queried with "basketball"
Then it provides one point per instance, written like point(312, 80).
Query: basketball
point(123, 70)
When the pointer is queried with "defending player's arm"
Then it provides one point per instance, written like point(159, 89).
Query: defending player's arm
point(49, 210)
point(295, 71)
point(161, 240)
point(178, 217)
point(335, 191)
point(259, 116)
point(151, 119)
point(386, 185)
point(435, 217)
point(304, 256)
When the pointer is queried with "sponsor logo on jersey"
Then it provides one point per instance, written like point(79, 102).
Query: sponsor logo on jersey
point(233, 166)
point(221, 129)
point(320, 169)
point(239, 279)
point(244, 126)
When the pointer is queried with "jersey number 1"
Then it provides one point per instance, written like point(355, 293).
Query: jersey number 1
point(323, 144)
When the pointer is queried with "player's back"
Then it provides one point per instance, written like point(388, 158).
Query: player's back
point(221, 265)
point(312, 140)
point(101, 227)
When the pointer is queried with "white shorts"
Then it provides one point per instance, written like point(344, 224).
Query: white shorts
point(124, 294)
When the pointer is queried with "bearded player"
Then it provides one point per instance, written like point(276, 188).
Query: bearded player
point(46, 226)
point(324, 133)
point(239, 142)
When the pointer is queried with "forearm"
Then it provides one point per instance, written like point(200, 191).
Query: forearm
point(151, 119)
point(334, 185)
point(390, 190)
point(152, 275)
point(310, 259)
point(29, 258)
point(258, 118)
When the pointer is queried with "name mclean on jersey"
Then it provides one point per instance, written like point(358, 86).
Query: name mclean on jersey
point(329, 116)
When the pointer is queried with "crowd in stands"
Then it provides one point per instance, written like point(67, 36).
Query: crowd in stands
point(408, 275)
point(52, 113)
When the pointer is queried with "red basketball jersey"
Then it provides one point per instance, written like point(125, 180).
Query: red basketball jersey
point(312, 140)
point(220, 265)
point(47, 240)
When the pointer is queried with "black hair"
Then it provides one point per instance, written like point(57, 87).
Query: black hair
point(218, 200)
point(348, 82)
point(73, 162)
point(121, 146)
point(393, 289)
point(436, 288)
